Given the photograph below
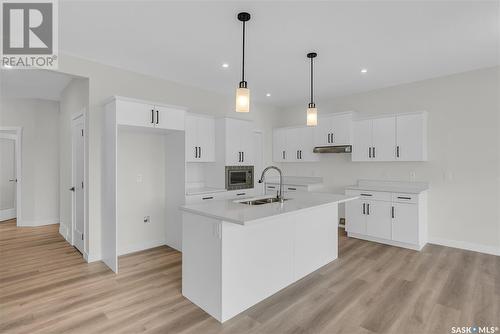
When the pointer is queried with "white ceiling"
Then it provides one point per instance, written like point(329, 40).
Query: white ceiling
point(33, 84)
point(188, 41)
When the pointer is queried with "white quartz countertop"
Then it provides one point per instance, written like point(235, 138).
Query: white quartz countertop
point(295, 180)
point(388, 186)
point(238, 213)
point(203, 190)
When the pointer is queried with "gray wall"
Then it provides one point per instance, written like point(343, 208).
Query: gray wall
point(40, 157)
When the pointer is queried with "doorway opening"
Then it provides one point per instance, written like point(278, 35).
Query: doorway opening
point(45, 111)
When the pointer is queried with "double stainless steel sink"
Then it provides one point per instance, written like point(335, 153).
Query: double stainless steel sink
point(261, 201)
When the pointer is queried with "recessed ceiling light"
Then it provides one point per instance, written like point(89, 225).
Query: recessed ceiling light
point(268, 94)
point(364, 70)
point(225, 65)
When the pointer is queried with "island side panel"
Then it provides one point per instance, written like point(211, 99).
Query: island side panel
point(257, 261)
point(316, 239)
point(201, 262)
point(261, 258)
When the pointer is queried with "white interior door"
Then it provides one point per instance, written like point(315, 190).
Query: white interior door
point(78, 160)
point(8, 177)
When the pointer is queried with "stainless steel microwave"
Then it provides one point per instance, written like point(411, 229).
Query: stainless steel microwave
point(239, 177)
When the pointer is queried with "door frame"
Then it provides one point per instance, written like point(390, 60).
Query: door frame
point(80, 117)
point(15, 133)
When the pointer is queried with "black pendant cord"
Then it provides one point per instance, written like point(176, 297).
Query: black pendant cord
point(312, 81)
point(243, 63)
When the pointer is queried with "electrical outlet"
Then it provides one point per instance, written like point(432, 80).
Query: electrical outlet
point(147, 219)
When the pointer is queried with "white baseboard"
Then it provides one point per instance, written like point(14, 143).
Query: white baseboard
point(8, 214)
point(466, 245)
point(141, 246)
point(64, 231)
point(384, 241)
point(33, 223)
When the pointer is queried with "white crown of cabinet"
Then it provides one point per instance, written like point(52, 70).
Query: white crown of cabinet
point(144, 114)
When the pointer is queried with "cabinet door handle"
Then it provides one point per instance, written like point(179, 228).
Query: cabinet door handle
point(242, 156)
point(328, 138)
point(157, 116)
point(402, 197)
point(241, 194)
point(397, 151)
point(152, 116)
point(369, 152)
point(392, 212)
point(333, 138)
point(199, 148)
point(283, 154)
point(271, 187)
point(239, 156)
point(209, 197)
point(374, 151)
point(368, 209)
point(196, 151)
point(364, 208)
point(366, 194)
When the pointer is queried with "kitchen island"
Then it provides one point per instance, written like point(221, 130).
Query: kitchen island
point(234, 254)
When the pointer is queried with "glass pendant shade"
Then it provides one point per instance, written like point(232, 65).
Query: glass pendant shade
point(242, 99)
point(312, 116)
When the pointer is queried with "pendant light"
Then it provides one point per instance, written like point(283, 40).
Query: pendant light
point(242, 92)
point(312, 111)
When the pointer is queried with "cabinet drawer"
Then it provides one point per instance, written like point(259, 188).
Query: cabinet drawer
point(191, 199)
point(294, 188)
point(404, 198)
point(370, 195)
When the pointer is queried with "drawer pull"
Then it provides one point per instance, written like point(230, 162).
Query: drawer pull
point(271, 187)
point(290, 188)
point(209, 197)
point(241, 194)
point(392, 212)
point(402, 197)
point(366, 194)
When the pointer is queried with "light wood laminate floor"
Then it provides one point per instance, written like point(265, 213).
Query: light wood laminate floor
point(46, 287)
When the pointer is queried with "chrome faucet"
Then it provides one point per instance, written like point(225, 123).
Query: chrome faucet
point(280, 194)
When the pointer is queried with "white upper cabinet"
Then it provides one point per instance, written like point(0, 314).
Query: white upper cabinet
point(169, 118)
point(200, 138)
point(294, 144)
point(411, 137)
point(136, 113)
point(238, 141)
point(362, 140)
point(391, 138)
point(334, 129)
point(383, 139)
point(279, 145)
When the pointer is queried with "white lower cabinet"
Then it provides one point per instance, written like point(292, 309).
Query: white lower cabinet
point(405, 223)
point(378, 219)
point(393, 218)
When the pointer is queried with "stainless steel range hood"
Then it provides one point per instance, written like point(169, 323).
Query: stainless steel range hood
point(333, 149)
